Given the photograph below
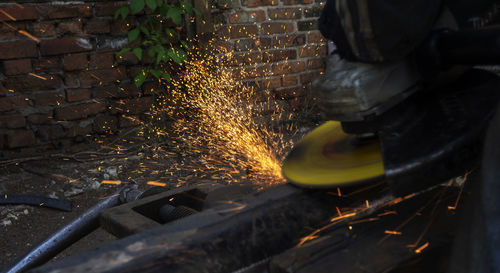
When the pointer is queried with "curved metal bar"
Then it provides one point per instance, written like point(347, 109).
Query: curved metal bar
point(67, 235)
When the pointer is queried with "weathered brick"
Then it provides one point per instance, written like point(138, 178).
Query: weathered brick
point(71, 80)
point(129, 90)
point(105, 124)
point(12, 121)
point(279, 55)
point(49, 99)
point(20, 138)
point(3, 90)
point(110, 91)
point(246, 58)
point(315, 37)
point(123, 26)
point(272, 83)
point(47, 65)
point(242, 31)
point(65, 45)
point(288, 41)
point(101, 60)
point(307, 25)
point(317, 63)
point(277, 28)
point(39, 118)
point(128, 58)
point(17, 67)
point(13, 103)
point(18, 49)
point(102, 76)
point(9, 32)
point(284, 13)
point(18, 13)
point(288, 67)
point(289, 81)
point(296, 2)
point(31, 83)
point(252, 72)
point(289, 92)
point(98, 27)
point(312, 51)
point(129, 121)
point(44, 29)
point(73, 95)
point(80, 129)
point(64, 11)
point(252, 44)
point(75, 62)
point(49, 132)
point(71, 27)
point(244, 17)
point(132, 106)
point(309, 77)
point(108, 9)
point(79, 111)
point(313, 11)
point(259, 3)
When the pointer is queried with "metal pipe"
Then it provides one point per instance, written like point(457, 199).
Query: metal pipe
point(67, 235)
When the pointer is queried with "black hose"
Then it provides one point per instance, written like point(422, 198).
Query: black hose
point(41, 201)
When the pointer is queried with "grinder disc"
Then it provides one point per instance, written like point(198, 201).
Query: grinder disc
point(328, 157)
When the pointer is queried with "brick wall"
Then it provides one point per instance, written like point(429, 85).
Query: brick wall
point(59, 78)
point(276, 44)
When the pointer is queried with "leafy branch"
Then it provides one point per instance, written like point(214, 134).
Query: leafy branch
point(159, 33)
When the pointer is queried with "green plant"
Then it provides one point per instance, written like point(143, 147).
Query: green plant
point(159, 33)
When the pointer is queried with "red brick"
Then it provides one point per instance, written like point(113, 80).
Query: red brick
point(12, 121)
point(19, 49)
point(101, 60)
point(246, 58)
point(71, 27)
point(272, 83)
point(39, 118)
point(31, 83)
point(244, 17)
point(122, 26)
point(79, 111)
point(318, 63)
point(132, 106)
point(309, 77)
point(127, 58)
point(129, 90)
point(44, 29)
point(19, 13)
point(258, 3)
point(75, 62)
point(65, 45)
point(71, 80)
point(289, 92)
point(288, 41)
point(129, 121)
point(288, 67)
point(102, 76)
point(252, 44)
point(13, 103)
point(296, 2)
point(284, 13)
point(47, 65)
point(110, 91)
point(20, 138)
point(73, 95)
point(108, 9)
point(79, 129)
point(105, 124)
point(64, 11)
point(49, 132)
point(98, 27)
point(312, 51)
point(277, 28)
point(9, 32)
point(279, 55)
point(242, 31)
point(315, 37)
point(289, 81)
point(48, 99)
point(17, 67)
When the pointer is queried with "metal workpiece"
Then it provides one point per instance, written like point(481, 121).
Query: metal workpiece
point(66, 236)
point(34, 200)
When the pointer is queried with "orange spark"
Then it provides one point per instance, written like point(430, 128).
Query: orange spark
point(20, 31)
point(419, 250)
point(338, 192)
point(338, 211)
point(387, 213)
point(154, 183)
point(8, 15)
point(393, 232)
point(364, 220)
point(112, 182)
point(367, 204)
point(37, 76)
point(343, 216)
